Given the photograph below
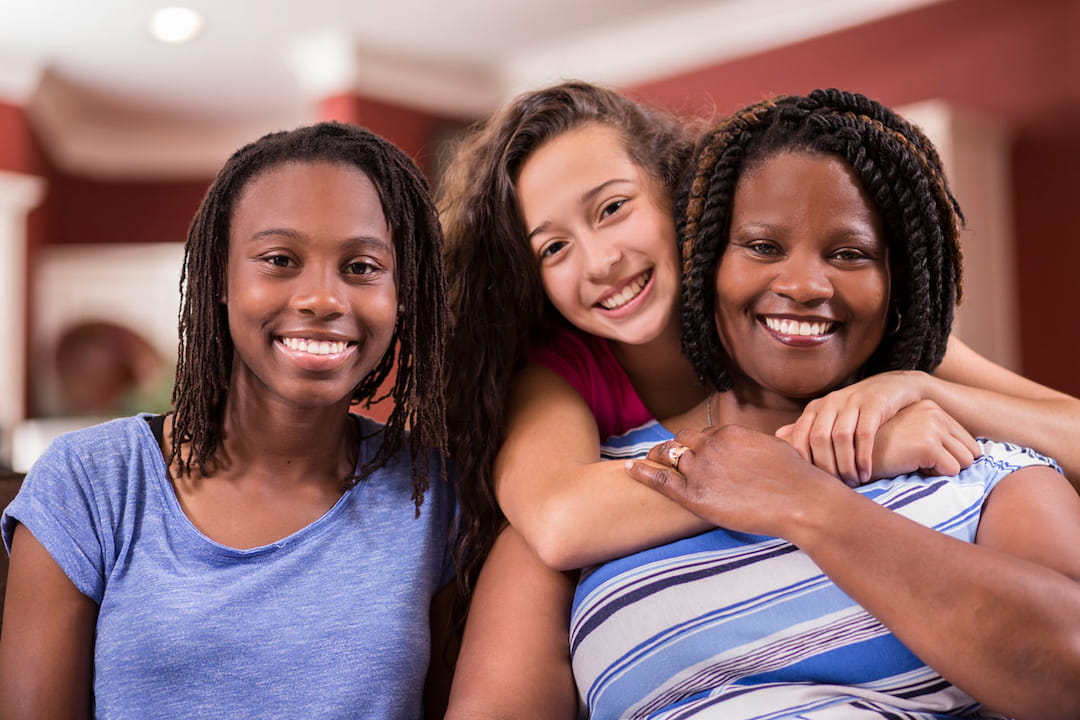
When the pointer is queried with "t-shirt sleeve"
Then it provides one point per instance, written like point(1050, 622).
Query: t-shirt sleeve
point(57, 505)
point(589, 366)
point(1001, 459)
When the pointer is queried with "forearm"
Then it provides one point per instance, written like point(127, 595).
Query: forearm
point(573, 510)
point(591, 514)
point(956, 605)
point(1049, 424)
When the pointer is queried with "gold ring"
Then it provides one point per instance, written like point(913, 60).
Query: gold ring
point(675, 453)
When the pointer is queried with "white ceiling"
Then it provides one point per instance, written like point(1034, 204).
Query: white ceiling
point(110, 101)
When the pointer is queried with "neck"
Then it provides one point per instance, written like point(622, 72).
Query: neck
point(287, 445)
point(745, 405)
point(660, 373)
point(754, 408)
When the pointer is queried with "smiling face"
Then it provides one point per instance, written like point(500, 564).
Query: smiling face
point(311, 295)
point(602, 232)
point(802, 287)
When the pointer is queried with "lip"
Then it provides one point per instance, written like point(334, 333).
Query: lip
point(623, 310)
point(323, 358)
point(797, 323)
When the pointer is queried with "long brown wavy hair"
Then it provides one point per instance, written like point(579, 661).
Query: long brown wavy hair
point(497, 301)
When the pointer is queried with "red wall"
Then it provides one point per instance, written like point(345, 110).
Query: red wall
point(108, 211)
point(416, 132)
point(1017, 61)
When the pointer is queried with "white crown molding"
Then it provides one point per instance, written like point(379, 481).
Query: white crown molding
point(86, 136)
point(19, 78)
point(83, 137)
point(332, 63)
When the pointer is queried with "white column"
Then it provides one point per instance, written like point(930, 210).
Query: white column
point(975, 152)
point(19, 194)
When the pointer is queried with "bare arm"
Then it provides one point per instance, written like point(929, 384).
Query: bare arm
point(994, 402)
point(837, 432)
point(46, 648)
point(954, 604)
point(515, 656)
point(571, 509)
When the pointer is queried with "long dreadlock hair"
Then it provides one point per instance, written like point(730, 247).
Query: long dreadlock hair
point(206, 348)
point(901, 172)
point(497, 298)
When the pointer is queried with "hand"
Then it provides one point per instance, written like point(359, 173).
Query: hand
point(923, 438)
point(736, 478)
point(837, 432)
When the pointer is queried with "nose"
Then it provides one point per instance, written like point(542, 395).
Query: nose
point(601, 256)
point(320, 292)
point(803, 278)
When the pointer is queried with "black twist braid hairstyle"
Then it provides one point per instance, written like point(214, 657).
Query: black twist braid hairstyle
point(902, 174)
point(205, 353)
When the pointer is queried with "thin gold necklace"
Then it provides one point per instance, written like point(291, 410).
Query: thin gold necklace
point(708, 409)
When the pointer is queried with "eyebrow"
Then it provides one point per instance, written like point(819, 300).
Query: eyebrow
point(585, 198)
point(361, 240)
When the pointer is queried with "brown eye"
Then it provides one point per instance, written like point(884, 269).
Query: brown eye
point(361, 267)
point(611, 208)
point(552, 249)
point(762, 248)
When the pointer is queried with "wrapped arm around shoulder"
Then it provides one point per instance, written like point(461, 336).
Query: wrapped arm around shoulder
point(838, 431)
point(515, 655)
point(571, 508)
point(992, 401)
point(956, 605)
point(46, 647)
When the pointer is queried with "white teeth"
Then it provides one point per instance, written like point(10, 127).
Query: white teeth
point(794, 327)
point(627, 294)
point(314, 347)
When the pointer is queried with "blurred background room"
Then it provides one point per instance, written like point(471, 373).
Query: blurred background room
point(109, 138)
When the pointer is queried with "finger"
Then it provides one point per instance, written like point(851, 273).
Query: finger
point(800, 434)
point(865, 435)
point(692, 439)
point(843, 446)
point(670, 454)
point(959, 434)
point(941, 462)
point(821, 445)
point(971, 444)
point(784, 433)
point(961, 451)
point(662, 479)
point(659, 453)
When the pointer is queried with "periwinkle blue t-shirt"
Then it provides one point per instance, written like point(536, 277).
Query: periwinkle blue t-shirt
point(330, 622)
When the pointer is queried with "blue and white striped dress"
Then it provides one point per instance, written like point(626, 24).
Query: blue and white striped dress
point(730, 625)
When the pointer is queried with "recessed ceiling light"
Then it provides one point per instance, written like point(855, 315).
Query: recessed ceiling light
point(175, 24)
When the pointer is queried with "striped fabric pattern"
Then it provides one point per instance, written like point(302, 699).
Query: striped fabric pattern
point(731, 625)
